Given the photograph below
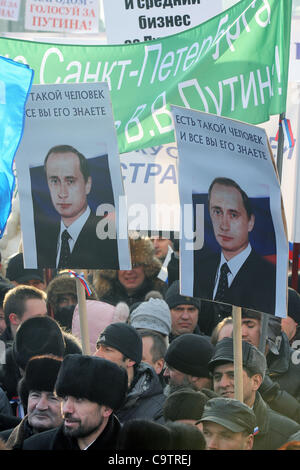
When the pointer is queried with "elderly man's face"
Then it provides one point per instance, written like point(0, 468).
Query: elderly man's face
point(230, 219)
point(67, 186)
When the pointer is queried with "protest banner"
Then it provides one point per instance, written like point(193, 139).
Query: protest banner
point(145, 20)
point(15, 84)
point(221, 66)
point(228, 179)
point(73, 17)
point(151, 174)
point(9, 10)
point(70, 178)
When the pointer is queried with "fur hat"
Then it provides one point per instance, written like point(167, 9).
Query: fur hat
point(173, 297)
point(142, 253)
point(38, 336)
point(125, 339)
point(230, 413)
point(94, 378)
point(184, 404)
point(40, 374)
point(152, 315)
point(99, 315)
point(190, 353)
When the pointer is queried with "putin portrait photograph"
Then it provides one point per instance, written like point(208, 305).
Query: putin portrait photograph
point(228, 180)
point(70, 182)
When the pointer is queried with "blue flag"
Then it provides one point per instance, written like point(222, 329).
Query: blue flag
point(15, 85)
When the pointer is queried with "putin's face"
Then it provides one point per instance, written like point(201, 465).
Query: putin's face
point(67, 186)
point(230, 220)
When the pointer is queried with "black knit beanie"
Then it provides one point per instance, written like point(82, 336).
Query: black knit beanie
point(37, 336)
point(173, 298)
point(94, 378)
point(190, 353)
point(124, 338)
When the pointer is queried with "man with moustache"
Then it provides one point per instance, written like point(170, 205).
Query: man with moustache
point(73, 241)
point(42, 405)
point(91, 388)
point(237, 275)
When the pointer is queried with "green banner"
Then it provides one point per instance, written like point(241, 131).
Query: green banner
point(233, 65)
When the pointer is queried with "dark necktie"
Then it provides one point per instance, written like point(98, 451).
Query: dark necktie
point(65, 254)
point(223, 283)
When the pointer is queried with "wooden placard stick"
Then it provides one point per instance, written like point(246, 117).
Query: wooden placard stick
point(85, 340)
point(237, 352)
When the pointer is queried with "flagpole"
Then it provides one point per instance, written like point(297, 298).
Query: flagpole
point(280, 146)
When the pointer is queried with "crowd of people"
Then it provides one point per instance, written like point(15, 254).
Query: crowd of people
point(160, 373)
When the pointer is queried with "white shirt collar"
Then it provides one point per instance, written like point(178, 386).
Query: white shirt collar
point(234, 264)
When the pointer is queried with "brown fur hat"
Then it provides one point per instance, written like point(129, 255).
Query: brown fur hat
point(142, 252)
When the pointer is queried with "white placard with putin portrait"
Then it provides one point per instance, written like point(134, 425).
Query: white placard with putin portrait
point(233, 242)
point(72, 203)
